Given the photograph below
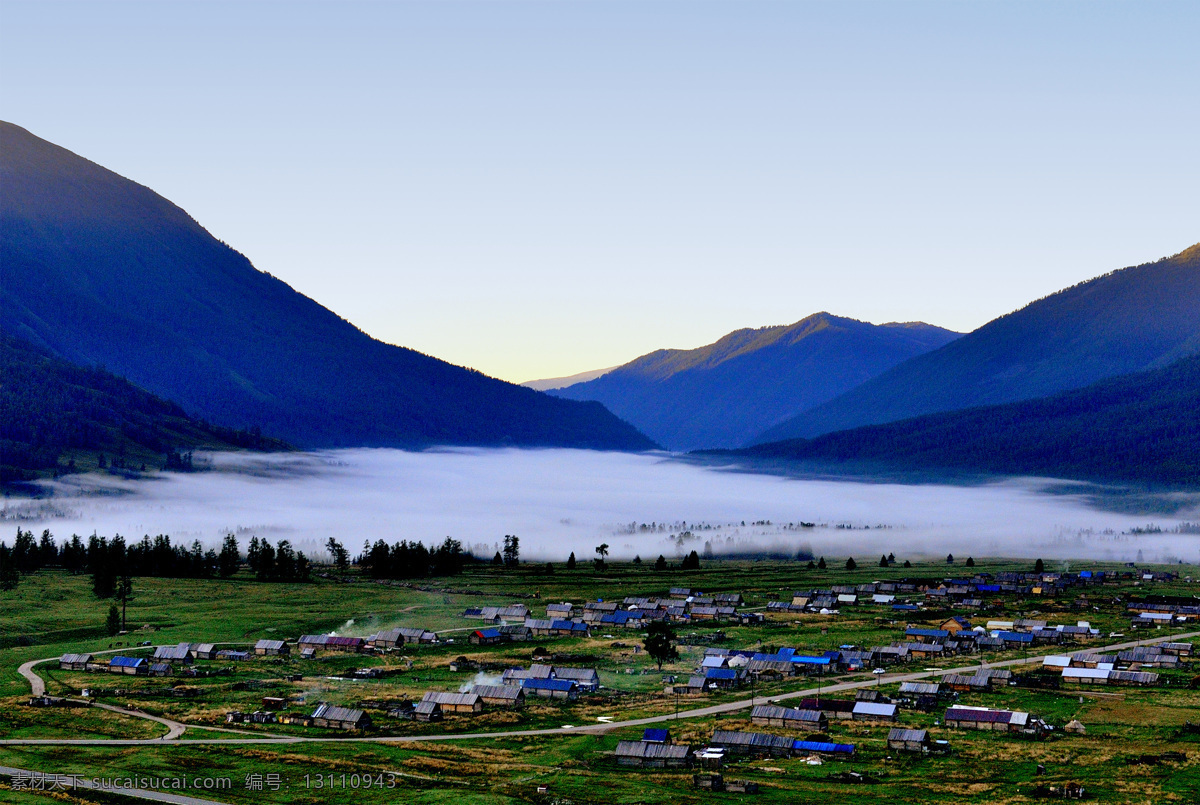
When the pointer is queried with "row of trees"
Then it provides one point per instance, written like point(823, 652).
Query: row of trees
point(412, 560)
point(275, 563)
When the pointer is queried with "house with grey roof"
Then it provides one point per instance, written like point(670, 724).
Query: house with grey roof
point(342, 718)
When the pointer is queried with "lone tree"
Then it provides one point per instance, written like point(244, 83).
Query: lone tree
point(512, 550)
point(601, 552)
point(341, 558)
point(660, 563)
point(949, 558)
point(883, 561)
point(891, 557)
point(970, 561)
point(571, 561)
point(821, 563)
point(497, 560)
point(660, 643)
point(637, 560)
point(812, 565)
point(1039, 566)
point(549, 569)
point(113, 622)
point(907, 563)
point(851, 564)
point(124, 594)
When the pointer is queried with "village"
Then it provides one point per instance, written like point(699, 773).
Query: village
point(935, 659)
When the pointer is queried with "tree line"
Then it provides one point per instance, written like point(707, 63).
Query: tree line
point(412, 560)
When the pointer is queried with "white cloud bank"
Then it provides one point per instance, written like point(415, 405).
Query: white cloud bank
point(558, 501)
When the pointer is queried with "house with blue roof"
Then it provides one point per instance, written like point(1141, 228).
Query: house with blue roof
point(551, 688)
point(822, 748)
point(1016, 639)
point(724, 677)
point(134, 666)
point(486, 637)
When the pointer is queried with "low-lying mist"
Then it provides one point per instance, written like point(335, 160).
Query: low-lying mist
point(559, 501)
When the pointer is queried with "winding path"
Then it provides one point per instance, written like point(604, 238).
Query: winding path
point(714, 710)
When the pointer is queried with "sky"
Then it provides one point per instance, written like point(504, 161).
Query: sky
point(535, 189)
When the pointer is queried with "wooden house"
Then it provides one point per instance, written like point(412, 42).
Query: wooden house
point(752, 743)
point(486, 637)
point(341, 718)
point(455, 702)
point(427, 711)
point(74, 662)
point(652, 755)
point(775, 716)
point(833, 709)
point(500, 695)
point(551, 688)
point(586, 679)
point(181, 654)
point(904, 740)
point(873, 711)
point(985, 718)
point(133, 666)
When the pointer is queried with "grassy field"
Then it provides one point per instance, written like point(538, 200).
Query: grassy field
point(51, 613)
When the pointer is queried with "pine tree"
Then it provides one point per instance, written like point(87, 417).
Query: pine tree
point(970, 561)
point(851, 564)
point(883, 562)
point(229, 558)
point(124, 594)
point(821, 564)
point(1039, 566)
point(9, 576)
point(571, 561)
point(341, 557)
point(512, 550)
point(660, 563)
point(113, 623)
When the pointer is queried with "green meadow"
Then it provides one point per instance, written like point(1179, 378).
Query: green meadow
point(1138, 748)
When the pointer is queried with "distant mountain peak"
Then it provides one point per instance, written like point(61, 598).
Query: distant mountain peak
point(719, 394)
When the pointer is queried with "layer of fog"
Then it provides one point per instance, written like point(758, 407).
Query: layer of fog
point(559, 501)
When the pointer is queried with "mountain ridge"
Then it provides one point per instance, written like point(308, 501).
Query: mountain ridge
point(723, 393)
point(100, 270)
point(1132, 319)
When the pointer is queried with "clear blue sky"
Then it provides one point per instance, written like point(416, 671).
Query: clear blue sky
point(537, 189)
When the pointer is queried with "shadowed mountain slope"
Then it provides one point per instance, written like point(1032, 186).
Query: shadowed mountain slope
point(1126, 321)
point(57, 416)
point(1139, 427)
point(102, 271)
